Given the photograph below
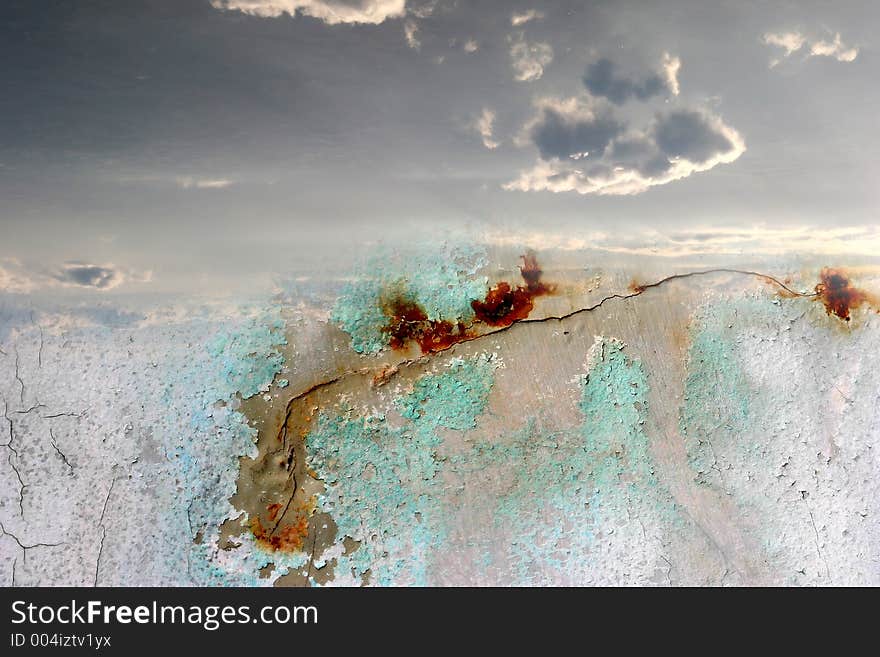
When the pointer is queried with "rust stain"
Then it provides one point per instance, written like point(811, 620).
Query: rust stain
point(287, 538)
point(407, 321)
point(272, 511)
point(503, 305)
point(839, 295)
point(383, 375)
point(635, 287)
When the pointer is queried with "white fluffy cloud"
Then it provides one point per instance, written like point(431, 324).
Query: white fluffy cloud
point(834, 48)
point(485, 126)
point(411, 32)
point(792, 42)
point(528, 58)
point(471, 45)
point(584, 148)
point(331, 12)
point(789, 41)
point(522, 17)
point(671, 66)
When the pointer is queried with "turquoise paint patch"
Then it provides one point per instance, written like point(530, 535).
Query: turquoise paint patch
point(247, 356)
point(590, 475)
point(236, 361)
point(381, 482)
point(570, 488)
point(442, 281)
point(452, 399)
point(716, 405)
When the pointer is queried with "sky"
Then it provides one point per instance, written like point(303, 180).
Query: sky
point(159, 145)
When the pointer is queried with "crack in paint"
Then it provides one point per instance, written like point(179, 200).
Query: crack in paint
point(640, 289)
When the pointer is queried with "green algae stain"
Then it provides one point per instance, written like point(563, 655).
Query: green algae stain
point(443, 282)
point(716, 406)
point(381, 481)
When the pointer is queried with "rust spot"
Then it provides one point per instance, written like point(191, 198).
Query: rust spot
point(838, 294)
point(531, 271)
point(503, 305)
point(272, 511)
point(407, 321)
point(635, 287)
point(288, 538)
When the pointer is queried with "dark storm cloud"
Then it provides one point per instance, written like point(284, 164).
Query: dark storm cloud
point(585, 148)
point(559, 136)
point(639, 153)
point(87, 275)
point(602, 80)
point(690, 135)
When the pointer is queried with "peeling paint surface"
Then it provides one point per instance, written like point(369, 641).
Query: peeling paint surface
point(709, 429)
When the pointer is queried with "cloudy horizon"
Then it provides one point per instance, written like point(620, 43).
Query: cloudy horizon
point(151, 143)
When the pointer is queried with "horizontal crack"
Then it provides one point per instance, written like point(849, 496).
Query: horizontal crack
point(556, 318)
point(23, 546)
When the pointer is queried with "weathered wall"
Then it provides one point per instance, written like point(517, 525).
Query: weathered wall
point(707, 430)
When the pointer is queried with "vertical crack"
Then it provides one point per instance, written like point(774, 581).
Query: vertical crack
point(103, 530)
point(21, 485)
point(13, 451)
point(58, 450)
point(816, 533)
point(40, 351)
point(18, 375)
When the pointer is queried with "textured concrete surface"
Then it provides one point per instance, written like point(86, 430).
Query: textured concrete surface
point(707, 431)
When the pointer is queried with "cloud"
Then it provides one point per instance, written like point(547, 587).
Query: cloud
point(584, 148)
point(83, 274)
point(411, 31)
point(792, 42)
point(523, 17)
point(601, 79)
point(332, 12)
point(484, 125)
point(188, 182)
point(573, 134)
point(754, 240)
point(18, 277)
point(529, 58)
point(422, 10)
point(834, 49)
point(13, 278)
point(789, 41)
point(470, 46)
point(671, 66)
